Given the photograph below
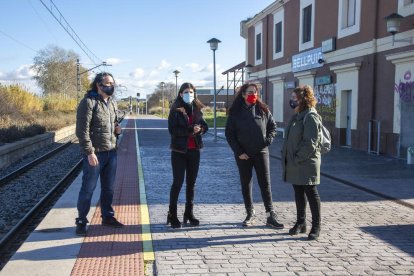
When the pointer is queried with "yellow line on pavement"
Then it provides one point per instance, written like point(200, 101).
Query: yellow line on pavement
point(147, 247)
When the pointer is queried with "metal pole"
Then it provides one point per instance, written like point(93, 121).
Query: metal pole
point(176, 85)
point(77, 81)
point(146, 105)
point(214, 105)
point(162, 91)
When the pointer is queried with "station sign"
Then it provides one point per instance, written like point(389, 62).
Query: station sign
point(323, 80)
point(307, 60)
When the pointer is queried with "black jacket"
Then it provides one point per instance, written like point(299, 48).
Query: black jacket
point(179, 127)
point(250, 130)
point(95, 123)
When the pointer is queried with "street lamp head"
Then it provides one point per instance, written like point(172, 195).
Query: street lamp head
point(393, 23)
point(162, 84)
point(176, 72)
point(214, 43)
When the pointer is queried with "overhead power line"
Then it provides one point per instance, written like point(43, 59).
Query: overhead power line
point(17, 41)
point(54, 11)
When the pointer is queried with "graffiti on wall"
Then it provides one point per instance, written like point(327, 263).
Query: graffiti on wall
point(405, 88)
point(326, 96)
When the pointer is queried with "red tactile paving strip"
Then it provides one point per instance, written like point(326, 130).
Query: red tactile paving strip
point(111, 251)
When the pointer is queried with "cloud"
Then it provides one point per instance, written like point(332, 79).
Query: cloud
point(138, 73)
point(195, 67)
point(163, 65)
point(24, 72)
point(113, 61)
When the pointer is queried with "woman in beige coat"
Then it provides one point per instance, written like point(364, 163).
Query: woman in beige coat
point(301, 159)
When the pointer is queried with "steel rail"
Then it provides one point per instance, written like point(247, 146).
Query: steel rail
point(35, 210)
point(4, 180)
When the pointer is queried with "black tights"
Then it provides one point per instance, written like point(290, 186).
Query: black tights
point(309, 192)
point(184, 164)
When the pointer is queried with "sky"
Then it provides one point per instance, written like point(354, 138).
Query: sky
point(143, 40)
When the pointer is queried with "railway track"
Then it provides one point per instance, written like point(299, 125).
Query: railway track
point(28, 193)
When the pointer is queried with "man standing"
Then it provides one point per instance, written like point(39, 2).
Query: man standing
point(96, 129)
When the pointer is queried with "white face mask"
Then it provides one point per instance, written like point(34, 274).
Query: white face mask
point(188, 98)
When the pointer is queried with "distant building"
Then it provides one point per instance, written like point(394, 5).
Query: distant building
point(224, 97)
point(364, 81)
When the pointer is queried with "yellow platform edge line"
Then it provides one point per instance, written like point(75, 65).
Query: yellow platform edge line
point(146, 236)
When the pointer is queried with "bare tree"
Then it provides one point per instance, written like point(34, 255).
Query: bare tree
point(56, 71)
point(156, 97)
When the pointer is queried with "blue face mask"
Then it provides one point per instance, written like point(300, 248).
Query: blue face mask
point(108, 90)
point(293, 104)
point(188, 98)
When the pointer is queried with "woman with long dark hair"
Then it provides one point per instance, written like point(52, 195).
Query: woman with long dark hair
point(186, 125)
point(250, 129)
point(301, 159)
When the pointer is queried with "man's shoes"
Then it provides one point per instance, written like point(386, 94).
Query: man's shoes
point(272, 221)
point(81, 227)
point(112, 222)
point(250, 218)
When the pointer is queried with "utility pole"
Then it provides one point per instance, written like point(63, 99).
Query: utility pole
point(78, 74)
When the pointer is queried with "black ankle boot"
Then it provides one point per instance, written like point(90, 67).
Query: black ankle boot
point(297, 228)
point(173, 219)
point(189, 216)
point(314, 233)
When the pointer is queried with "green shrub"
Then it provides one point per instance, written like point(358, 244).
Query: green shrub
point(59, 102)
point(16, 100)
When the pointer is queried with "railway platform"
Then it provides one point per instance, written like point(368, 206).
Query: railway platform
point(367, 219)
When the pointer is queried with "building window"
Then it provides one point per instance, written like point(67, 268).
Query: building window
point(278, 36)
point(349, 17)
point(258, 46)
point(408, 2)
point(258, 43)
point(307, 22)
point(406, 7)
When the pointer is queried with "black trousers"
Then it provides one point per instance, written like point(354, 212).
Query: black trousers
point(309, 192)
point(184, 164)
point(260, 162)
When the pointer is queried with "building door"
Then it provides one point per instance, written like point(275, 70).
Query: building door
point(348, 117)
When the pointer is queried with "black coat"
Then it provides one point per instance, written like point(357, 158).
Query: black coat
point(179, 127)
point(249, 130)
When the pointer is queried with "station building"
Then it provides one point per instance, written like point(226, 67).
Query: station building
point(359, 57)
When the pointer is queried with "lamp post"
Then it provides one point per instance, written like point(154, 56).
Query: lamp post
point(213, 46)
point(78, 73)
point(393, 27)
point(176, 72)
point(162, 91)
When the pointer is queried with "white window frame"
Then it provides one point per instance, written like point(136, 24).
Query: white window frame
point(405, 9)
point(309, 44)
point(344, 31)
point(278, 17)
point(258, 29)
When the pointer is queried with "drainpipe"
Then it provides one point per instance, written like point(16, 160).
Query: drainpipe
point(267, 53)
point(374, 79)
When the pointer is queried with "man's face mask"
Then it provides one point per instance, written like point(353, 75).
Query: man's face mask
point(108, 90)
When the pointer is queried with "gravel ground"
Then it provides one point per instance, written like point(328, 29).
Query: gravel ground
point(20, 195)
